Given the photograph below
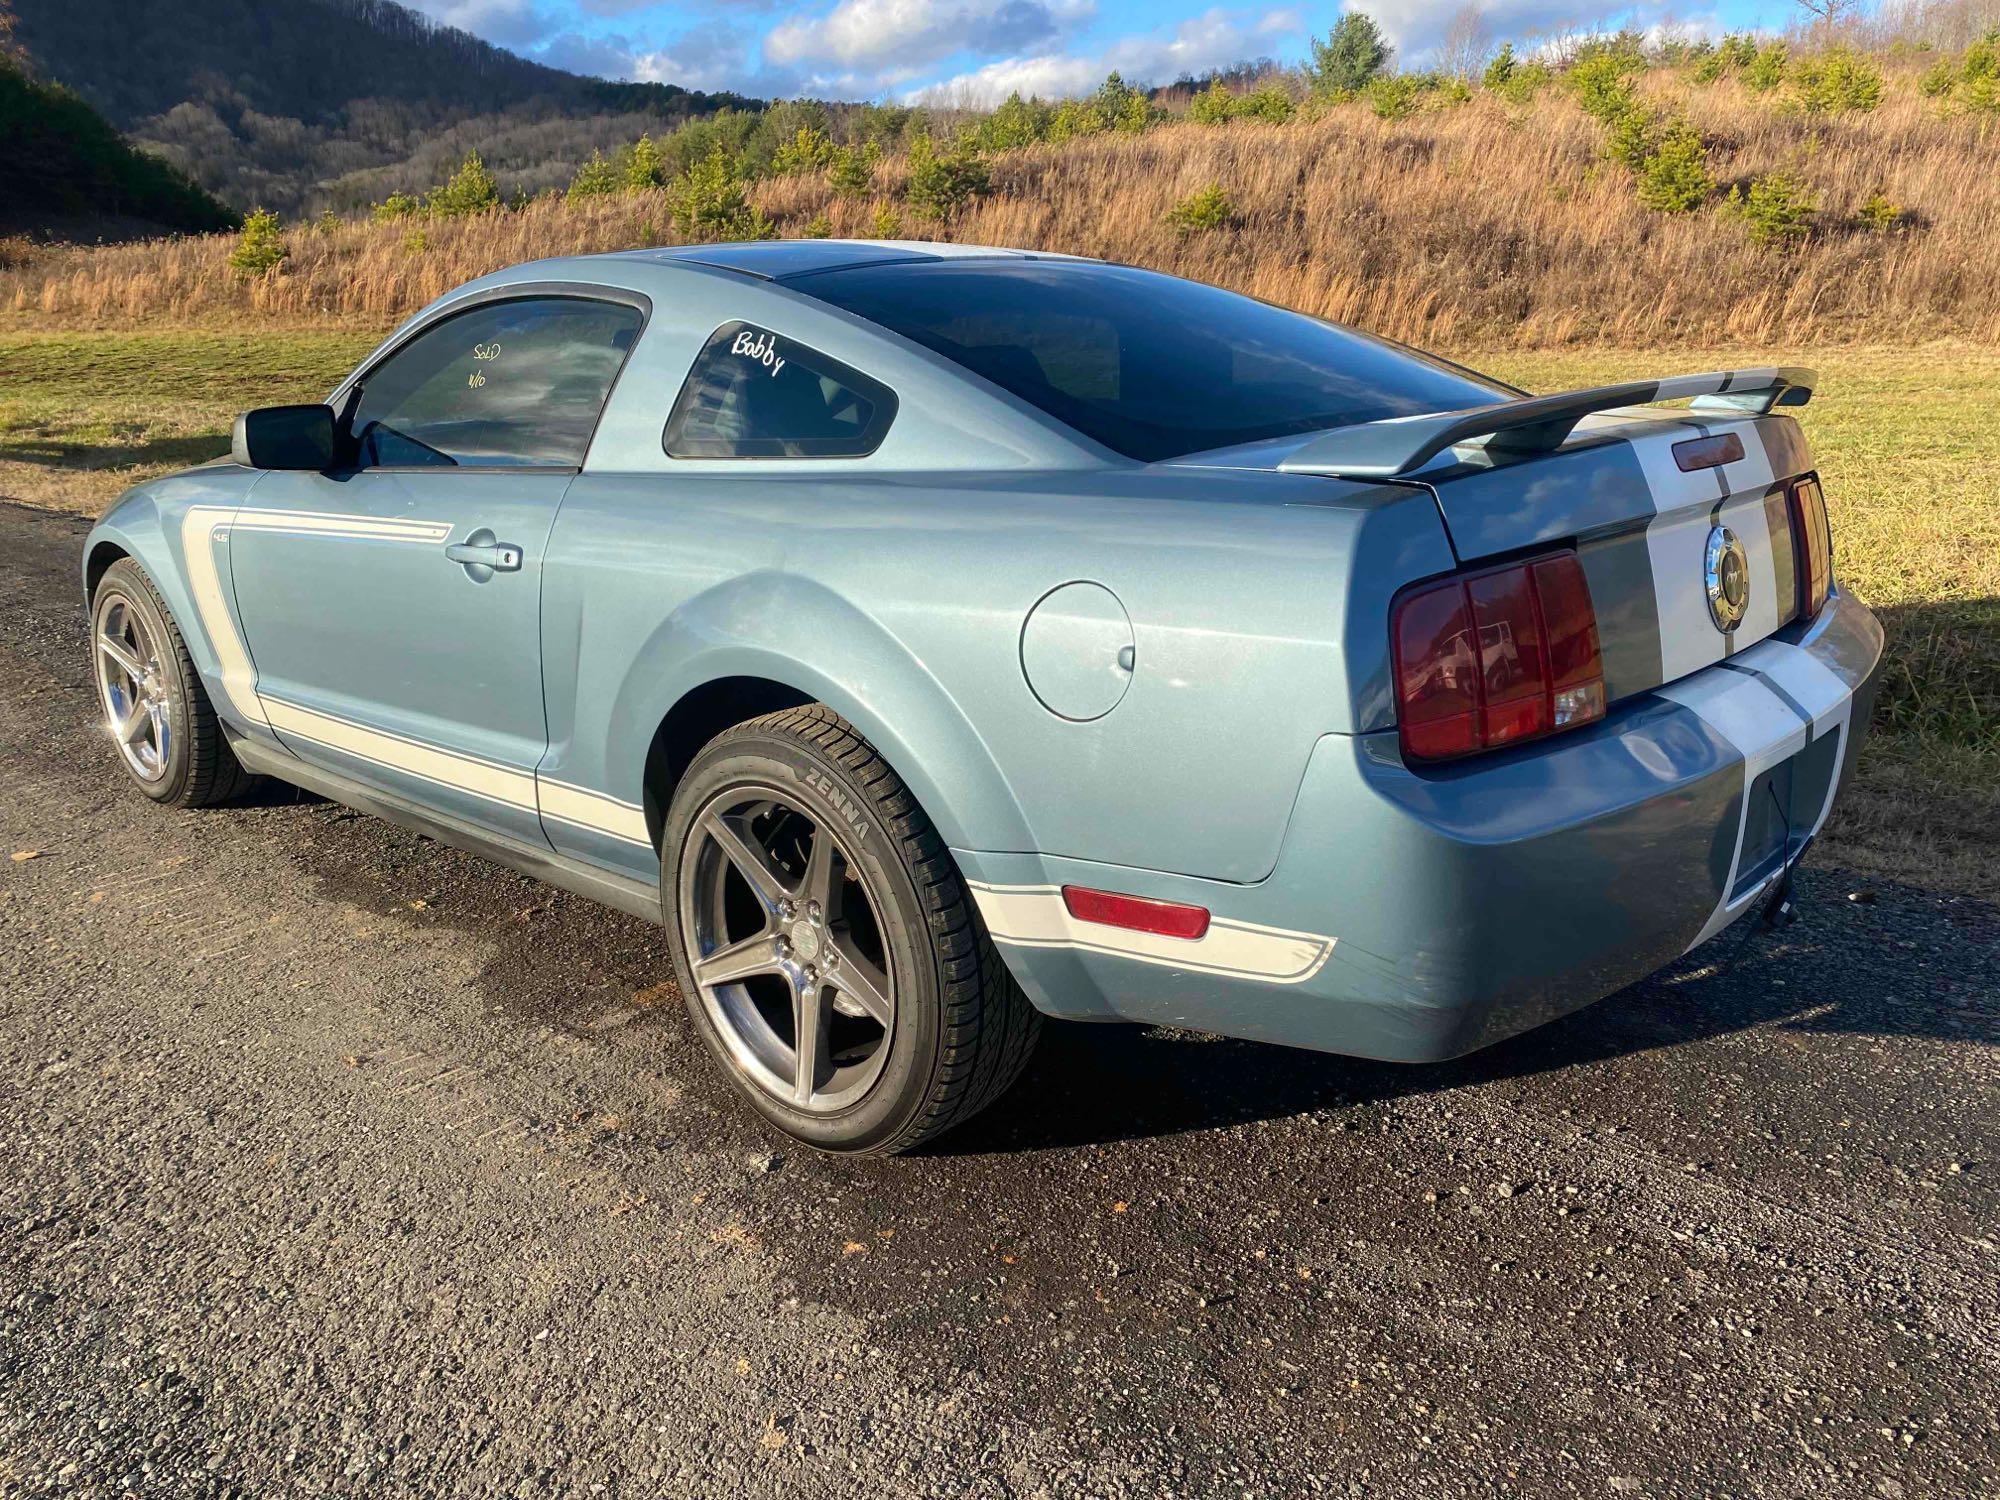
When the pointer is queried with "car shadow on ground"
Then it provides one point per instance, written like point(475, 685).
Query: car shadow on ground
point(1093, 1084)
point(140, 452)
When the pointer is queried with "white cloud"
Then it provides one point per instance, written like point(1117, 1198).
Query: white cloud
point(1214, 39)
point(896, 37)
point(510, 23)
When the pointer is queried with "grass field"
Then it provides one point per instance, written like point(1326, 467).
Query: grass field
point(1908, 441)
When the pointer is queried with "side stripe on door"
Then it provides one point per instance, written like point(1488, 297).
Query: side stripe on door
point(205, 525)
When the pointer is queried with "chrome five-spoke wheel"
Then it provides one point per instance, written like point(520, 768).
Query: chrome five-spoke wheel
point(786, 942)
point(132, 686)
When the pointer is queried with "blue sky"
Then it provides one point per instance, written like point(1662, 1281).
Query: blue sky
point(977, 50)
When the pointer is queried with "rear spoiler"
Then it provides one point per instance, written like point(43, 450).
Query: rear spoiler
point(1535, 424)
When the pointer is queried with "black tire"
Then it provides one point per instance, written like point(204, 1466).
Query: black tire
point(199, 769)
point(963, 1029)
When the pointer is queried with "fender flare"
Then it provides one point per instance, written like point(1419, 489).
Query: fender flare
point(803, 635)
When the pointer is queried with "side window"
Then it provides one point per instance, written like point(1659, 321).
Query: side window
point(517, 382)
point(752, 394)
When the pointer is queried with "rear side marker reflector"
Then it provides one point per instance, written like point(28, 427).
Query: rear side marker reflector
point(1708, 452)
point(1135, 913)
point(1497, 657)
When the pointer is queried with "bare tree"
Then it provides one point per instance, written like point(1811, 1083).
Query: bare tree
point(1829, 16)
point(1467, 44)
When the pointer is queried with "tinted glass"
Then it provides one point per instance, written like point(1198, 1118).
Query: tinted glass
point(508, 383)
point(752, 394)
point(1149, 365)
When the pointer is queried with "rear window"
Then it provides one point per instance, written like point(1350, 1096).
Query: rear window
point(1149, 365)
point(753, 394)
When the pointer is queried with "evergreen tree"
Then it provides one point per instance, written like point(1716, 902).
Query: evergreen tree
point(1353, 52)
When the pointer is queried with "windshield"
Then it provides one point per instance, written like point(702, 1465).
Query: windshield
point(1151, 366)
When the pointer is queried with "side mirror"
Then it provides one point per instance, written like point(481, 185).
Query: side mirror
point(284, 437)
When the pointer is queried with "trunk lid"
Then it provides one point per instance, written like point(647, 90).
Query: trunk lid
point(1642, 525)
point(1599, 470)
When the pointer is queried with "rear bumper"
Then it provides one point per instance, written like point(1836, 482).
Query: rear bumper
point(1414, 916)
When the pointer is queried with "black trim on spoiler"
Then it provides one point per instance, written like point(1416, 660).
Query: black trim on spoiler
point(1536, 424)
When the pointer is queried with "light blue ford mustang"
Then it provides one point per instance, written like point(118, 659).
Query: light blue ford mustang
point(933, 638)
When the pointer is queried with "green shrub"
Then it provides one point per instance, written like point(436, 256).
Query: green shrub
point(1393, 96)
point(594, 179)
point(469, 190)
point(644, 166)
point(1500, 69)
point(941, 182)
point(1766, 70)
point(1778, 210)
point(1270, 104)
point(1074, 119)
point(1451, 92)
point(1214, 105)
point(819, 227)
point(1114, 98)
point(888, 224)
point(416, 242)
point(708, 203)
point(1674, 176)
point(1137, 114)
point(1353, 52)
point(1879, 214)
point(1835, 83)
point(1016, 123)
point(259, 247)
point(807, 150)
point(1602, 83)
point(1973, 81)
point(1631, 139)
point(1211, 208)
point(328, 221)
point(397, 206)
point(1982, 58)
point(1524, 82)
point(852, 171)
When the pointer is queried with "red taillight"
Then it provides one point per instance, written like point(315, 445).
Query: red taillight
point(1812, 544)
point(1496, 657)
point(1137, 913)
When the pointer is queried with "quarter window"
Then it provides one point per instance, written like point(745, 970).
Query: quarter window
point(755, 394)
point(520, 382)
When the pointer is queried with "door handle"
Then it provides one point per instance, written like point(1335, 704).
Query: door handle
point(500, 557)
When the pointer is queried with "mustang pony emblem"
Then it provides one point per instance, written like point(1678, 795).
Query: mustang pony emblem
point(1726, 576)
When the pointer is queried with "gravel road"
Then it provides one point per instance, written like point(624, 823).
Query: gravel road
point(335, 1161)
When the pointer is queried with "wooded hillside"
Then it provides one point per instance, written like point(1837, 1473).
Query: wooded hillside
point(314, 104)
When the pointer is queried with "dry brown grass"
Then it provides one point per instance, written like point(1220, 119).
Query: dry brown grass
point(1485, 223)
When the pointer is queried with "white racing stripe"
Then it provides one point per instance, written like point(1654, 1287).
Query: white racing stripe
point(447, 768)
point(198, 542)
point(205, 526)
point(1752, 714)
point(1034, 916)
point(1677, 541)
point(595, 811)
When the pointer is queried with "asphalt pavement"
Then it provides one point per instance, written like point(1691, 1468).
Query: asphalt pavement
point(334, 1161)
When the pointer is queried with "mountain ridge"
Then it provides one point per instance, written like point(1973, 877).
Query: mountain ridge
point(332, 104)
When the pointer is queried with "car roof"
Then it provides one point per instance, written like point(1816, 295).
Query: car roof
point(776, 260)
